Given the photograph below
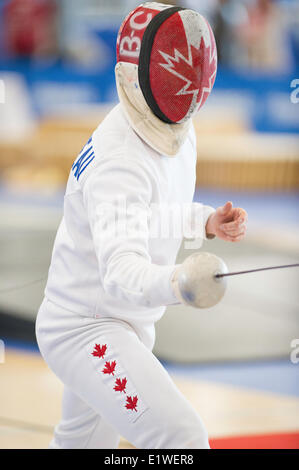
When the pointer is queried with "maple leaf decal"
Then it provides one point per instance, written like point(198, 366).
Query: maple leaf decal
point(99, 351)
point(132, 403)
point(120, 385)
point(182, 67)
point(197, 80)
point(109, 368)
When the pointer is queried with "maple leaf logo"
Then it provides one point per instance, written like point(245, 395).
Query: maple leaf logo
point(120, 385)
point(187, 69)
point(99, 351)
point(132, 403)
point(109, 368)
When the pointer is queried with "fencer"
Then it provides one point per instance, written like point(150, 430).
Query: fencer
point(113, 270)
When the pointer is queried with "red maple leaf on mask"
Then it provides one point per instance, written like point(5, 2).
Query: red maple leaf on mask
point(193, 76)
point(99, 351)
point(120, 385)
point(132, 403)
point(182, 70)
point(109, 368)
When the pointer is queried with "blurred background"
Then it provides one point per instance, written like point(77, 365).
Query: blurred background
point(237, 363)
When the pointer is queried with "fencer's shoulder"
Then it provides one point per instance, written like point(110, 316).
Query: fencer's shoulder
point(114, 143)
point(115, 135)
point(115, 138)
point(111, 131)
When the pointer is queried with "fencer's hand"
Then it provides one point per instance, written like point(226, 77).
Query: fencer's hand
point(228, 223)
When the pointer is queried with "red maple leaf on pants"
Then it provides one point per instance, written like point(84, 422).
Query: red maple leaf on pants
point(99, 351)
point(109, 367)
point(132, 403)
point(120, 385)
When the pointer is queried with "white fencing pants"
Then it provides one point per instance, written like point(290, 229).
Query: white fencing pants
point(114, 385)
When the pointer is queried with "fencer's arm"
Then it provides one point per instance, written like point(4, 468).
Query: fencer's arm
point(117, 195)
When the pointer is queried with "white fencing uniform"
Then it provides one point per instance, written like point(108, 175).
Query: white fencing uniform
point(106, 290)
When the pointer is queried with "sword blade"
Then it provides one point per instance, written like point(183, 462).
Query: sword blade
point(236, 273)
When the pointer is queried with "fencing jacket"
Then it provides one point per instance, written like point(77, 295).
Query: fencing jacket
point(116, 246)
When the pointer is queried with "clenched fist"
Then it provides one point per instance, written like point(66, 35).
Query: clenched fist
point(228, 223)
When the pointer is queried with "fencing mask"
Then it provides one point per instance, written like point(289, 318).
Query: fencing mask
point(166, 68)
